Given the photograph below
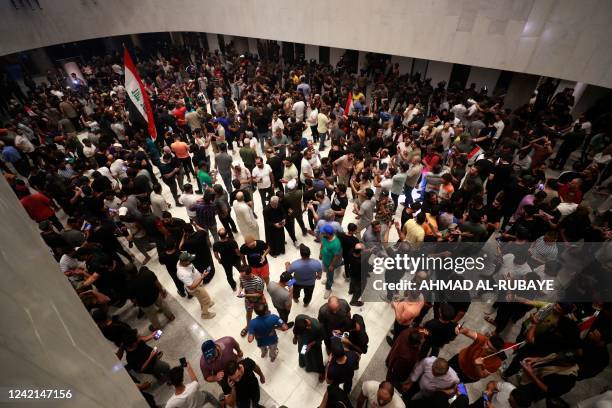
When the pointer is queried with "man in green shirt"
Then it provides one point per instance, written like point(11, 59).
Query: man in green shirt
point(248, 155)
point(331, 254)
point(204, 177)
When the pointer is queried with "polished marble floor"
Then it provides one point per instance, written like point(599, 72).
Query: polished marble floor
point(286, 383)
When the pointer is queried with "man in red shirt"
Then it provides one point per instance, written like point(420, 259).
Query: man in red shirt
point(40, 208)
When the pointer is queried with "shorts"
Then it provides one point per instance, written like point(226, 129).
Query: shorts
point(263, 271)
point(250, 304)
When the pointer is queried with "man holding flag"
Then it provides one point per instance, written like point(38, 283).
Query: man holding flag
point(138, 102)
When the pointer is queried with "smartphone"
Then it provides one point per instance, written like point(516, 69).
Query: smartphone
point(183, 362)
point(459, 326)
point(86, 226)
point(346, 334)
point(462, 389)
point(291, 282)
point(304, 349)
point(157, 334)
point(241, 294)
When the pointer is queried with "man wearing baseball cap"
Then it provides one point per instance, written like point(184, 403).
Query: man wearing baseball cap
point(192, 279)
point(215, 356)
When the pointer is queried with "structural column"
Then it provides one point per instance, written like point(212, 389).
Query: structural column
point(49, 341)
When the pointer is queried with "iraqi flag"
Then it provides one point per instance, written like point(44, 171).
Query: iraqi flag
point(349, 105)
point(475, 154)
point(139, 105)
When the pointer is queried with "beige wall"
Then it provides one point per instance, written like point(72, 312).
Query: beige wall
point(47, 338)
point(569, 39)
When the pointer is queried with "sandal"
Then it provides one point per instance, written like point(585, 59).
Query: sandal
point(243, 332)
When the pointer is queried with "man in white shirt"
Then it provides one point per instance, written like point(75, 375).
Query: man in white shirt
point(459, 110)
point(262, 175)
point(499, 126)
point(298, 109)
point(277, 123)
point(190, 395)
point(189, 200)
point(118, 169)
point(192, 279)
point(379, 395)
point(158, 202)
point(306, 171)
point(88, 148)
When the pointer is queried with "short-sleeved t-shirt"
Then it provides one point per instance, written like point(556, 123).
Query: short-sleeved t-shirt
point(191, 397)
point(474, 351)
point(137, 357)
point(329, 250)
point(340, 373)
point(263, 328)
point(226, 346)
point(227, 251)
point(305, 271)
point(253, 255)
point(180, 149)
point(262, 176)
point(143, 288)
point(280, 295)
point(441, 333)
point(248, 384)
point(370, 390)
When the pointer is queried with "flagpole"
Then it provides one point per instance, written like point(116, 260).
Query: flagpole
point(507, 348)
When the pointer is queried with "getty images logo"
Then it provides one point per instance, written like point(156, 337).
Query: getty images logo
point(413, 264)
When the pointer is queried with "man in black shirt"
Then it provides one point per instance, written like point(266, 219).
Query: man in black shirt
point(113, 329)
point(196, 243)
point(245, 387)
point(174, 226)
point(276, 164)
point(146, 292)
point(169, 257)
point(352, 266)
point(227, 254)
point(339, 202)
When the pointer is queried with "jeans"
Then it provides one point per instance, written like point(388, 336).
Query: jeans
point(322, 141)
point(151, 311)
point(395, 198)
point(229, 273)
point(228, 224)
point(307, 293)
point(408, 193)
point(158, 369)
point(283, 314)
point(330, 277)
point(227, 180)
point(315, 133)
point(188, 167)
point(262, 140)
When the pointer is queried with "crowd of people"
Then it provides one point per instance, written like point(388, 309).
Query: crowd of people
point(402, 161)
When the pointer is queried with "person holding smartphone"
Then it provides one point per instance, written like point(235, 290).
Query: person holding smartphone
point(187, 395)
point(281, 293)
point(193, 281)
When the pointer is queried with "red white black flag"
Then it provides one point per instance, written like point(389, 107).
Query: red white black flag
point(139, 105)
